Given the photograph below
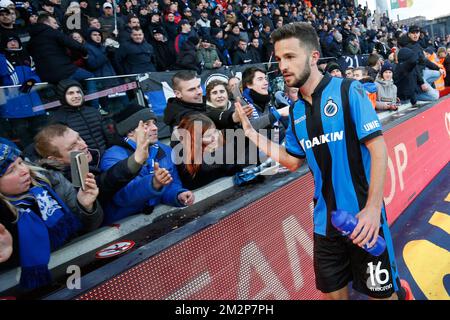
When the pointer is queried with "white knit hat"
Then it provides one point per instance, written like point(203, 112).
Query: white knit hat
point(6, 3)
point(74, 4)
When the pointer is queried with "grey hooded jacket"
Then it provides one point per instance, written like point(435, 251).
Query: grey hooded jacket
point(386, 92)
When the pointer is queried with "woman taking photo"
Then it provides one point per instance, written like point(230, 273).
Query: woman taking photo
point(42, 211)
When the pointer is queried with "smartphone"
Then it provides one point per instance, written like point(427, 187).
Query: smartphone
point(79, 169)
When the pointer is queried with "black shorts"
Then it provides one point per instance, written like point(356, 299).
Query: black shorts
point(337, 261)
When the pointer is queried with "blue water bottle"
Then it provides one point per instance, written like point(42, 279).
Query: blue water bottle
point(346, 222)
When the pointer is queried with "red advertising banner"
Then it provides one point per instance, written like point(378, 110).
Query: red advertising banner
point(418, 149)
point(264, 250)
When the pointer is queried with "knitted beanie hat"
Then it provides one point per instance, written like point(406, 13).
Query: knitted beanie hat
point(128, 119)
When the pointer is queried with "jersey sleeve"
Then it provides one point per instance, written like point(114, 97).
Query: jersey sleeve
point(291, 142)
point(366, 121)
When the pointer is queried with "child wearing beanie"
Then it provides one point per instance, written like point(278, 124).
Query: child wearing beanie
point(386, 89)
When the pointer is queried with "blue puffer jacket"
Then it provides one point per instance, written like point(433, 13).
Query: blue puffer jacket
point(138, 195)
point(16, 67)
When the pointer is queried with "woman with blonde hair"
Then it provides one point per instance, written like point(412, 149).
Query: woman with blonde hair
point(42, 211)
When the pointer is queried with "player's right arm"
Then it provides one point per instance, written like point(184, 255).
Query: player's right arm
point(272, 149)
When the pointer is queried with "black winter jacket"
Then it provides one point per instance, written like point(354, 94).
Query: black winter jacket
point(187, 59)
point(177, 109)
point(171, 30)
point(231, 42)
point(87, 121)
point(242, 57)
point(48, 47)
point(208, 172)
point(164, 55)
point(405, 76)
point(422, 62)
point(255, 54)
point(135, 57)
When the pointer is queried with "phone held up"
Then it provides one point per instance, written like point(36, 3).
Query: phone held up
point(79, 167)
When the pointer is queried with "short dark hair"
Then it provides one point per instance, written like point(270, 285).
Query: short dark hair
point(131, 16)
point(364, 71)
point(43, 17)
point(372, 59)
point(136, 29)
point(302, 31)
point(184, 75)
point(249, 74)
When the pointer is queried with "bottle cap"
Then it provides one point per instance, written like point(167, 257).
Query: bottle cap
point(338, 217)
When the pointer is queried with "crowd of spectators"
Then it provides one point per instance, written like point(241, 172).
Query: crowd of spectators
point(65, 42)
point(80, 39)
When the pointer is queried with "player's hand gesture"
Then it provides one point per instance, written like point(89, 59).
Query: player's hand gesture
point(246, 125)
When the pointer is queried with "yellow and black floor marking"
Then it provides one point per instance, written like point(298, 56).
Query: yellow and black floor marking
point(421, 237)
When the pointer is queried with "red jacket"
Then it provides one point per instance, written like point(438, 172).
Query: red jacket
point(222, 3)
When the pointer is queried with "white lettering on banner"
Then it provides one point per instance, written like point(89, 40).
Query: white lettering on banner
point(391, 170)
point(252, 258)
point(323, 138)
point(401, 166)
point(447, 122)
point(293, 234)
point(352, 61)
point(371, 125)
point(191, 287)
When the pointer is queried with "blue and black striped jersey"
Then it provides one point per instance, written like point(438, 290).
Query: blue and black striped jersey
point(331, 133)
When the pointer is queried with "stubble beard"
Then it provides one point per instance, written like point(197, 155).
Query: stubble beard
point(304, 76)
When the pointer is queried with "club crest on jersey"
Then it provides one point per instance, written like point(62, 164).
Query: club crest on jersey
point(330, 108)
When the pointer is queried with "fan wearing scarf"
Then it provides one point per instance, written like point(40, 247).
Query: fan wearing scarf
point(42, 211)
point(256, 93)
point(157, 181)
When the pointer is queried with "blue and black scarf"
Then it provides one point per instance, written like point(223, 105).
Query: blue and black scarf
point(42, 232)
